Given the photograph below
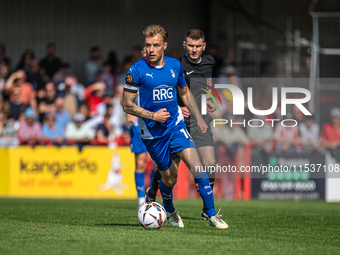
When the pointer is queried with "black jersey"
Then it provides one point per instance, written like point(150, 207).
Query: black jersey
point(202, 69)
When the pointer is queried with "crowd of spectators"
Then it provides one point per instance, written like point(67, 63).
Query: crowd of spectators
point(42, 102)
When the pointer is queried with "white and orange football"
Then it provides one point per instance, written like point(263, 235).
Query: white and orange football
point(151, 215)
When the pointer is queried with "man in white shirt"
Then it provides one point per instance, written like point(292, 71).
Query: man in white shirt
point(79, 133)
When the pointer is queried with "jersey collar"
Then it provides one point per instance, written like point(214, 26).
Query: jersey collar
point(186, 55)
point(152, 65)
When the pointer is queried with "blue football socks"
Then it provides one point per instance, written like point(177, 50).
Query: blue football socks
point(140, 184)
point(203, 187)
point(166, 193)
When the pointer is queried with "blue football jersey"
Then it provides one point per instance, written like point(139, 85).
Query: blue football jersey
point(155, 88)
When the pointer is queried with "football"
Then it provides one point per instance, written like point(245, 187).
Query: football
point(151, 215)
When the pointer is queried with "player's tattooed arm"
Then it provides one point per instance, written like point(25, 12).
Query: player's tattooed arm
point(130, 107)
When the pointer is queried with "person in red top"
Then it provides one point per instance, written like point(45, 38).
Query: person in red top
point(94, 95)
point(331, 134)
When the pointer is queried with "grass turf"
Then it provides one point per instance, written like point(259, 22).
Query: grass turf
point(42, 226)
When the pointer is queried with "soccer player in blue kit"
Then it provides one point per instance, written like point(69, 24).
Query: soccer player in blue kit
point(150, 93)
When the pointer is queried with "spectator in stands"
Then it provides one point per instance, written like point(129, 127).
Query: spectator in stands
point(84, 109)
point(72, 86)
point(7, 132)
point(94, 96)
point(118, 110)
point(16, 106)
point(3, 57)
point(309, 133)
point(60, 76)
point(62, 117)
point(261, 137)
point(107, 78)
point(232, 136)
point(4, 74)
point(94, 65)
point(287, 137)
point(34, 77)
point(50, 64)
point(331, 134)
point(298, 115)
point(26, 60)
point(47, 102)
point(27, 95)
point(105, 130)
point(229, 76)
point(112, 60)
point(79, 133)
point(30, 130)
point(52, 134)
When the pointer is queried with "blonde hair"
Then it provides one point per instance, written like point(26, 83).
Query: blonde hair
point(153, 30)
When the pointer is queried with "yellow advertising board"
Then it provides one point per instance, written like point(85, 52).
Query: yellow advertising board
point(3, 171)
point(96, 172)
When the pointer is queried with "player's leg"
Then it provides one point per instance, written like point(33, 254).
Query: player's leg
point(139, 149)
point(159, 151)
point(207, 155)
point(140, 162)
point(150, 194)
point(191, 158)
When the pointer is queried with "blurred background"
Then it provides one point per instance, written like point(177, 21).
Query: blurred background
point(63, 65)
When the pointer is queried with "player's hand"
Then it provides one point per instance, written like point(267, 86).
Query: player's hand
point(185, 111)
point(211, 107)
point(202, 126)
point(161, 115)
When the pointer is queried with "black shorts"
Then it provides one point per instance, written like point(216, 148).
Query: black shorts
point(202, 139)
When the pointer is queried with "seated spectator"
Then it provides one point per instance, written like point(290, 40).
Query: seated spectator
point(94, 65)
point(261, 137)
point(52, 134)
point(62, 117)
point(331, 134)
point(309, 133)
point(73, 93)
point(7, 132)
point(25, 60)
point(4, 74)
point(47, 102)
point(30, 130)
point(105, 130)
point(34, 76)
point(84, 109)
point(3, 57)
point(77, 132)
point(15, 104)
point(60, 76)
point(107, 78)
point(94, 96)
point(232, 136)
point(287, 138)
point(27, 95)
point(50, 64)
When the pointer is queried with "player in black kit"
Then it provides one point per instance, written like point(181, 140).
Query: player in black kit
point(195, 65)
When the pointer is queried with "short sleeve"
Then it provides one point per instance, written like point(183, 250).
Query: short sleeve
point(181, 79)
point(132, 81)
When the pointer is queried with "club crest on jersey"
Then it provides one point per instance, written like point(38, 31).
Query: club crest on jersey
point(173, 73)
point(162, 93)
point(129, 78)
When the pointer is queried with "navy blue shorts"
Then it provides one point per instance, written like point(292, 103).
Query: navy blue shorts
point(160, 149)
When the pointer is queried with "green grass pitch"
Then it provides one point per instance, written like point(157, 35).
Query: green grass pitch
point(45, 226)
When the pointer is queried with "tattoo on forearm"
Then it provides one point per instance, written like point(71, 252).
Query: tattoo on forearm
point(130, 107)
